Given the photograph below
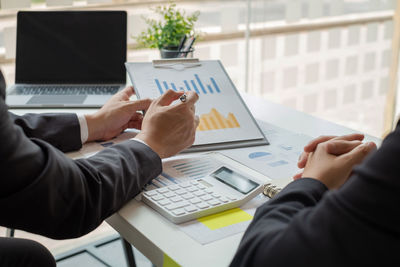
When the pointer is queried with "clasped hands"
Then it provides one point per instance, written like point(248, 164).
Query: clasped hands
point(330, 159)
point(166, 128)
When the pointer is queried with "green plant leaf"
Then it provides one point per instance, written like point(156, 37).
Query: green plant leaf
point(168, 31)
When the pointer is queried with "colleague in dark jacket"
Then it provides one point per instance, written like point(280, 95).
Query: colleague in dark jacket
point(328, 219)
point(44, 192)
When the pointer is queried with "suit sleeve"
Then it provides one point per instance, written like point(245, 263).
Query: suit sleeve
point(357, 225)
point(62, 130)
point(44, 192)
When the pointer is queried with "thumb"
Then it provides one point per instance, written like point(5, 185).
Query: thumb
point(168, 97)
point(138, 105)
point(358, 154)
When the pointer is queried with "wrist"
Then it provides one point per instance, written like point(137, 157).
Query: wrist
point(94, 125)
point(150, 143)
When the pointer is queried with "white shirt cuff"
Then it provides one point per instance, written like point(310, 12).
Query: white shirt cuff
point(141, 141)
point(84, 128)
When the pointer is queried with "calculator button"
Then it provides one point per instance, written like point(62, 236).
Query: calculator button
point(214, 202)
point(157, 197)
point(180, 191)
point(178, 212)
point(162, 190)
point(150, 193)
point(200, 186)
point(195, 200)
point(176, 199)
point(232, 198)
point(169, 194)
point(173, 187)
point(202, 205)
point(185, 185)
point(223, 199)
point(194, 183)
point(216, 195)
point(192, 189)
point(206, 198)
point(187, 196)
point(208, 191)
point(178, 205)
point(199, 193)
point(164, 202)
point(190, 208)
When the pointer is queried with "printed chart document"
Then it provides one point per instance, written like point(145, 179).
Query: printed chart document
point(225, 121)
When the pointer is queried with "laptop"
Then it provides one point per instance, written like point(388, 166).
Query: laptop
point(68, 58)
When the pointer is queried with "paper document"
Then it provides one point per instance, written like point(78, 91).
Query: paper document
point(279, 159)
point(222, 226)
point(224, 117)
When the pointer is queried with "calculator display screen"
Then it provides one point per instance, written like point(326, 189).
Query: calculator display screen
point(234, 180)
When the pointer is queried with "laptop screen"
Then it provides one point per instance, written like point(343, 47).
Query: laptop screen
point(73, 47)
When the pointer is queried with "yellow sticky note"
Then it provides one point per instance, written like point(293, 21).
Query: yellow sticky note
point(168, 262)
point(225, 218)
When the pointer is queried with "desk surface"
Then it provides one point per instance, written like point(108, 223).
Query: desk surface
point(156, 237)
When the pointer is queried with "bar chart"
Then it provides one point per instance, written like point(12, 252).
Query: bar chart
point(196, 84)
point(224, 118)
point(215, 121)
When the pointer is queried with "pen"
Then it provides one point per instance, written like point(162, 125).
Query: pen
point(182, 42)
point(183, 98)
point(187, 46)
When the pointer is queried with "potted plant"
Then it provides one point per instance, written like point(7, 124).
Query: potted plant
point(166, 33)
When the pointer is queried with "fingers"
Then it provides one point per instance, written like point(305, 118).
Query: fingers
point(137, 124)
point(138, 105)
point(126, 93)
point(358, 154)
point(339, 147)
point(297, 175)
point(310, 147)
point(302, 160)
point(191, 98)
point(168, 97)
point(136, 117)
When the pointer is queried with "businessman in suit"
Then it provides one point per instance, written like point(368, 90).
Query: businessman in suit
point(332, 214)
point(44, 192)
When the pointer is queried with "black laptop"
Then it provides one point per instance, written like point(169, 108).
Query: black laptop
point(69, 58)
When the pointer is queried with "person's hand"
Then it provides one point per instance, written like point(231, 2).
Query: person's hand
point(355, 140)
point(333, 170)
point(118, 114)
point(168, 129)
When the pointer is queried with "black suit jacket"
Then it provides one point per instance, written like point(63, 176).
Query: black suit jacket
point(357, 225)
point(44, 192)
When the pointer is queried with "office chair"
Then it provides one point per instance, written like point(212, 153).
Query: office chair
point(9, 231)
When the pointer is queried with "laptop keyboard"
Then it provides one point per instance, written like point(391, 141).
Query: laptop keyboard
point(65, 90)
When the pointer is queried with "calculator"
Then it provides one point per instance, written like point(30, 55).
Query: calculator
point(230, 185)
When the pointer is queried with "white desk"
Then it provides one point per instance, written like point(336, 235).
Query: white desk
point(156, 237)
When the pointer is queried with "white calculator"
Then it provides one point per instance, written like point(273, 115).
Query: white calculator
point(228, 186)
